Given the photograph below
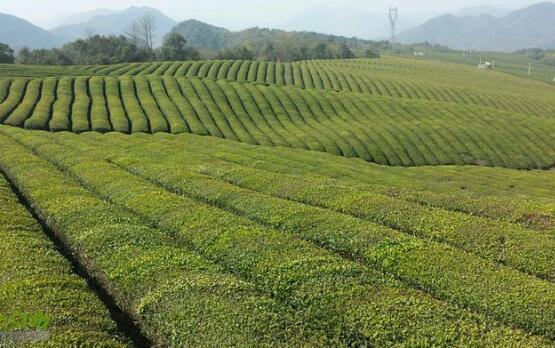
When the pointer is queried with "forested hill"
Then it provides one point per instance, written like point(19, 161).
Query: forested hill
point(205, 36)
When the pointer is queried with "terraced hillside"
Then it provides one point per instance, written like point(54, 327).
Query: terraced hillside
point(392, 111)
point(205, 241)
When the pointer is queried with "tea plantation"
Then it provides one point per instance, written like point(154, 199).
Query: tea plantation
point(349, 203)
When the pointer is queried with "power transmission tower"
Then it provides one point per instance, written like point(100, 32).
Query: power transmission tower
point(393, 16)
point(529, 69)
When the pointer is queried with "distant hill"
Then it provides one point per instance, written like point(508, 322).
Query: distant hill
point(115, 24)
point(479, 10)
point(201, 35)
point(74, 18)
point(531, 27)
point(19, 33)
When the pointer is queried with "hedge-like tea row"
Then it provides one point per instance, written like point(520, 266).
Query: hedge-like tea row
point(353, 305)
point(437, 188)
point(381, 130)
point(502, 242)
point(505, 243)
point(504, 293)
point(26, 106)
point(4, 88)
point(399, 78)
point(37, 280)
point(43, 109)
point(178, 298)
point(442, 270)
point(80, 112)
point(530, 210)
point(62, 108)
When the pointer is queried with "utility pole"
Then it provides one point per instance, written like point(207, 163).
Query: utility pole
point(393, 16)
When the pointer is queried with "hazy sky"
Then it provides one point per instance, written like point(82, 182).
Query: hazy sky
point(234, 12)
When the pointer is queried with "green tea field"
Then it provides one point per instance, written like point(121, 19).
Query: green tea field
point(343, 203)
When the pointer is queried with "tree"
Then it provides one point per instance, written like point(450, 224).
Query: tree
point(132, 33)
point(346, 52)
point(141, 32)
point(146, 27)
point(93, 50)
point(321, 51)
point(6, 54)
point(174, 47)
point(371, 54)
point(237, 53)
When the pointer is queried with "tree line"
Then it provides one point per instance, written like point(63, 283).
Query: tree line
point(99, 49)
point(136, 45)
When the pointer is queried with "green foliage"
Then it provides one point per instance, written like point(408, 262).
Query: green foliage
point(43, 109)
point(13, 97)
point(6, 54)
point(175, 47)
point(93, 50)
point(342, 206)
point(271, 44)
point(80, 113)
point(24, 321)
point(23, 111)
point(349, 303)
point(371, 54)
point(178, 297)
point(291, 204)
point(39, 290)
point(236, 53)
point(439, 268)
point(378, 120)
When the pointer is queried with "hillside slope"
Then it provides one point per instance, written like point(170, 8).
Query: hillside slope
point(531, 27)
point(389, 113)
point(195, 233)
point(221, 203)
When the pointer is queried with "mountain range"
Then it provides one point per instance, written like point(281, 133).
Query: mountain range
point(531, 27)
point(480, 28)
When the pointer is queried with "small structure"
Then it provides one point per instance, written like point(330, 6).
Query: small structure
point(485, 65)
point(419, 54)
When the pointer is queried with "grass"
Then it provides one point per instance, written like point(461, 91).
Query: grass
point(515, 64)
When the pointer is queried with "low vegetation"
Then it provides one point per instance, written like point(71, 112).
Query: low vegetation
point(359, 202)
point(39, 290)
point(319, 106)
